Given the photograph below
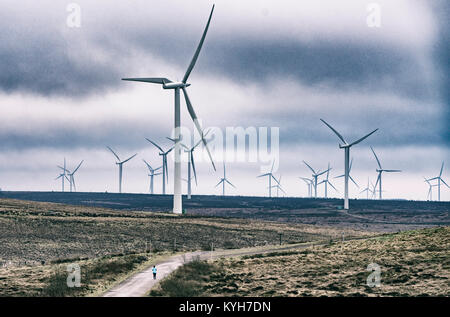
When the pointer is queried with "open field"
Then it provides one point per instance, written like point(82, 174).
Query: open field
point(372, 215)
point(412, 263)
point(35, 232)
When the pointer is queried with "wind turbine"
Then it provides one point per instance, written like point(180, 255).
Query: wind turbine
point(349, 176)
point(165, 170)
point(327, 182)
point(309, 182)
point(177, 86)
point(367, 189)
point(380, 171)
point(270, 174)
point(315, 175)
point(120, 164)
point(191, 164)
point(346, 146)
point(72, 178)
point(278, 186)
point(152, 175)
point(430, 190)
point(63, 175)
point(439, 180)
point(223, 180)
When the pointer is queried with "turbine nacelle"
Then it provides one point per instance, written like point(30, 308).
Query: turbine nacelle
point(175, 85)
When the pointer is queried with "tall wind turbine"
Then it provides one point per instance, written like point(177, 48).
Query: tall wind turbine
point(278, 186)
point(63, 175)
point(309, 182)
point(177, 86)
point(315, 175)
point(152, 174)
point(72, 178)
point(120, 164)
point(346, 146)
point(270, 175)
point(327, 182)
point(165, 170)
point(223, 180)
point(380, 171)
point(439, 180)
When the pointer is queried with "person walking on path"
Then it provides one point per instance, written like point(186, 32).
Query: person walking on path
point(154, 272)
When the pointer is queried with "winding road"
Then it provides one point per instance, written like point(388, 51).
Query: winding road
point(142, 282)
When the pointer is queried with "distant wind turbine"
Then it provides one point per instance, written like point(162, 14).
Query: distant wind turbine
point(309, 182)
point(63, 175)
point(367, 190)
point(349, 176)
point(177, 86)
point(223, 181)
point(346, 146)
point(380, 171)
point(439, 180)
point(72, 178)
point(278, 186)
point(327, 182)
point(152, 174)
point(315, 176)
point(120, 164)
point(430, 189)
point(165, 170)
point(270, 176)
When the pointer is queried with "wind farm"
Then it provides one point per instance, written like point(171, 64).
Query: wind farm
point(296, 155)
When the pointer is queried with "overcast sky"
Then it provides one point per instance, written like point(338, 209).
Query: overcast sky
point(282, 64)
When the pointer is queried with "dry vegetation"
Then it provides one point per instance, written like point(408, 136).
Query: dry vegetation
point(36, 233)
point(413, 263)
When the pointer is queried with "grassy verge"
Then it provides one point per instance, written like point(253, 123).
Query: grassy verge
point(188, 281)
point(412, 263)
point(96, 276)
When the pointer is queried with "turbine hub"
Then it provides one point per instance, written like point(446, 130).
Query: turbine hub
point(175, 85)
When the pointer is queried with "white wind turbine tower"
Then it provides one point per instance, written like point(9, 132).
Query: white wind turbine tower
point(270, 175)
point(152, 175)
point(309, 182)
point(72, 178)
point(380, 171)
point(63, 175)
point(165, 170)
point(120, 164)
point(278, 186)
point(177, 86)
point(346, 146)
point(223, 180)
point(439, 180)
point(315, 176)
point(327, 182)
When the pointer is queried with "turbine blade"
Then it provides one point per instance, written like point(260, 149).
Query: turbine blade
point(444, 183)
point(262, 175)
point(78, 167)
point(442, 168)
point(199, 47)
point(193, 167)
point(321, 173)
point(155, 145)
point(129, 158)
point(314, 172)
point(114, 153)
point(197, 124)
point(230, 183)
point(376, 157)
point(376, 183)
point(340, 176)
point(392, 171)
point(271, 170)
point(329, 183)
point(364, 137)
point(219, 183)
point(154, 80)
point(148, 166)
point(351, 178)
point(332, 129)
